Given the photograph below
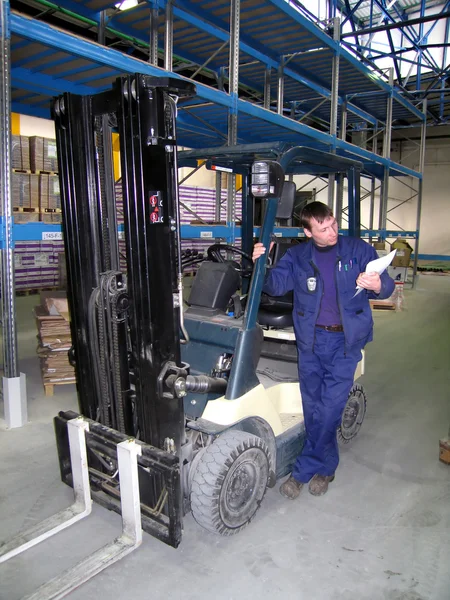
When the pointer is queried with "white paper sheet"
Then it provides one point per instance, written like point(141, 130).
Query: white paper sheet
point(377, 266)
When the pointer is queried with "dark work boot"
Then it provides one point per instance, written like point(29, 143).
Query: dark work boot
point(318, 485)
point(291, 488)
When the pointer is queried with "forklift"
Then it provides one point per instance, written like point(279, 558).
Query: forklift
point(210, 392)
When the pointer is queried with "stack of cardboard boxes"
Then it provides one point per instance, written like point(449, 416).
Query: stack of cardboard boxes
point(35, 184)
point(25, 197)
point(36, 264)
point(20, 152)
point(398, 269)
point(49, 198)
point(54, 340)
point(43, 155)
point(35, 197)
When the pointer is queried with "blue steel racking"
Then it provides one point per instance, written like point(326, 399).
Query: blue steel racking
point(306, 59)
point(323, 93)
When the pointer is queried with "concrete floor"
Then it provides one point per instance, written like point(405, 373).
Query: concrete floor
point(382, 531)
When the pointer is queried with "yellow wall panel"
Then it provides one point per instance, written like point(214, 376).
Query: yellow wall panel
point(15, 124)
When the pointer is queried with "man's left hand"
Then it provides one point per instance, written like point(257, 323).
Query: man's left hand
point(369, 281)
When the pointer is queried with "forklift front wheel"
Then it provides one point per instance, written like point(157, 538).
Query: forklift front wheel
point(353, 415)
point(229, 482)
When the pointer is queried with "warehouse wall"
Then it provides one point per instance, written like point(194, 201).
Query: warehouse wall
point(435, 217)
point(34, 126)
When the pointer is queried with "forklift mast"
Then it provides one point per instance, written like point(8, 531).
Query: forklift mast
point(125, 321)
point(125, 327)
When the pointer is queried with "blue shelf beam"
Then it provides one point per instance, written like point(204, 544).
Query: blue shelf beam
point(46, 231)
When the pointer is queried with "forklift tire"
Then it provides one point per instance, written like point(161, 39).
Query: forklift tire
point(229, 482)
point(353, 415)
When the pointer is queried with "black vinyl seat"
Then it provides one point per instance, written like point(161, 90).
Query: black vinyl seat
point(276, 311)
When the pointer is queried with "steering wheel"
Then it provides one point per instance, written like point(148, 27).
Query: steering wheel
point(216, 254)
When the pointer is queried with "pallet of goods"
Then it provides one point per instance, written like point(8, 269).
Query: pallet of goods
point(54, 340)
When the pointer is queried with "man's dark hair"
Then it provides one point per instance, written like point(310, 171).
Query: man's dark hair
point(315, 210)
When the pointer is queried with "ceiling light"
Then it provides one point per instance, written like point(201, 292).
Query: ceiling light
point(126, 4)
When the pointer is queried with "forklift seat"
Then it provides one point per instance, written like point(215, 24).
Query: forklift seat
point(276, 311)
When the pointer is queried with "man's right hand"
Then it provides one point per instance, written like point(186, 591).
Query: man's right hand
point(259, 249)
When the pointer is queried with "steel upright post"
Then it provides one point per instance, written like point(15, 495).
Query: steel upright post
point(235, 8)
point(340, 181)
point(218, 198)
point(334, 99)
point(280, 87)
point(14, 383)
point(267, 78)
point(153, 55)
point(423, 135)
point(168, 37)
point(386, 154)
point(372, 186)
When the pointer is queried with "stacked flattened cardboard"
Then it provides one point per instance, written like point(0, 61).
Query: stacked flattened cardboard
point(20, 152)
point(49, 198)
point(52, 319)
point(43, 155)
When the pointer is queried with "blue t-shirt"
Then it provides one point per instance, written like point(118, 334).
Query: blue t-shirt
point(325, 259)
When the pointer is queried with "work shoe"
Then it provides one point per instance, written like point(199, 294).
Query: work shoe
point(291, 488)
point(318, 485)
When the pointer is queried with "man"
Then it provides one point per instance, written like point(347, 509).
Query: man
point(331, 326)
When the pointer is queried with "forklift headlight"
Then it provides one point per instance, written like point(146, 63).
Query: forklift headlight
point(267, 179)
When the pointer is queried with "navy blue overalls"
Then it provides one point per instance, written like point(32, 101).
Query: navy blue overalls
point(326, 360)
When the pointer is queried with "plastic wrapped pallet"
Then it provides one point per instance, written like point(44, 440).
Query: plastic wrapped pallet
point(34, 263)
point(43, 154)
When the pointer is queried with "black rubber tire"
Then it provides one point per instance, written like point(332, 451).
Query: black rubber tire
point(353, 414)
point(230, 482)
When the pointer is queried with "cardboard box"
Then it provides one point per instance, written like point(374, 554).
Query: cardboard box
point(444, 451)
point(379, 245)
point(398, 273)
point(403, 256)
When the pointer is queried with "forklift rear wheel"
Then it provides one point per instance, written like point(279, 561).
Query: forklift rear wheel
point(229, 482)
point(353, 414)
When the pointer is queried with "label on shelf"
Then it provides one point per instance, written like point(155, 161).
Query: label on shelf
point(52, 235)
point(206, 234)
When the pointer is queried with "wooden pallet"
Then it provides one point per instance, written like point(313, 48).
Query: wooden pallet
point(36, 172)
point(33, 291)
point(49, 387)
point(25, 209)
point(382, 305)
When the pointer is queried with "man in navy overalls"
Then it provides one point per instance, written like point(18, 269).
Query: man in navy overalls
point(332, 326)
